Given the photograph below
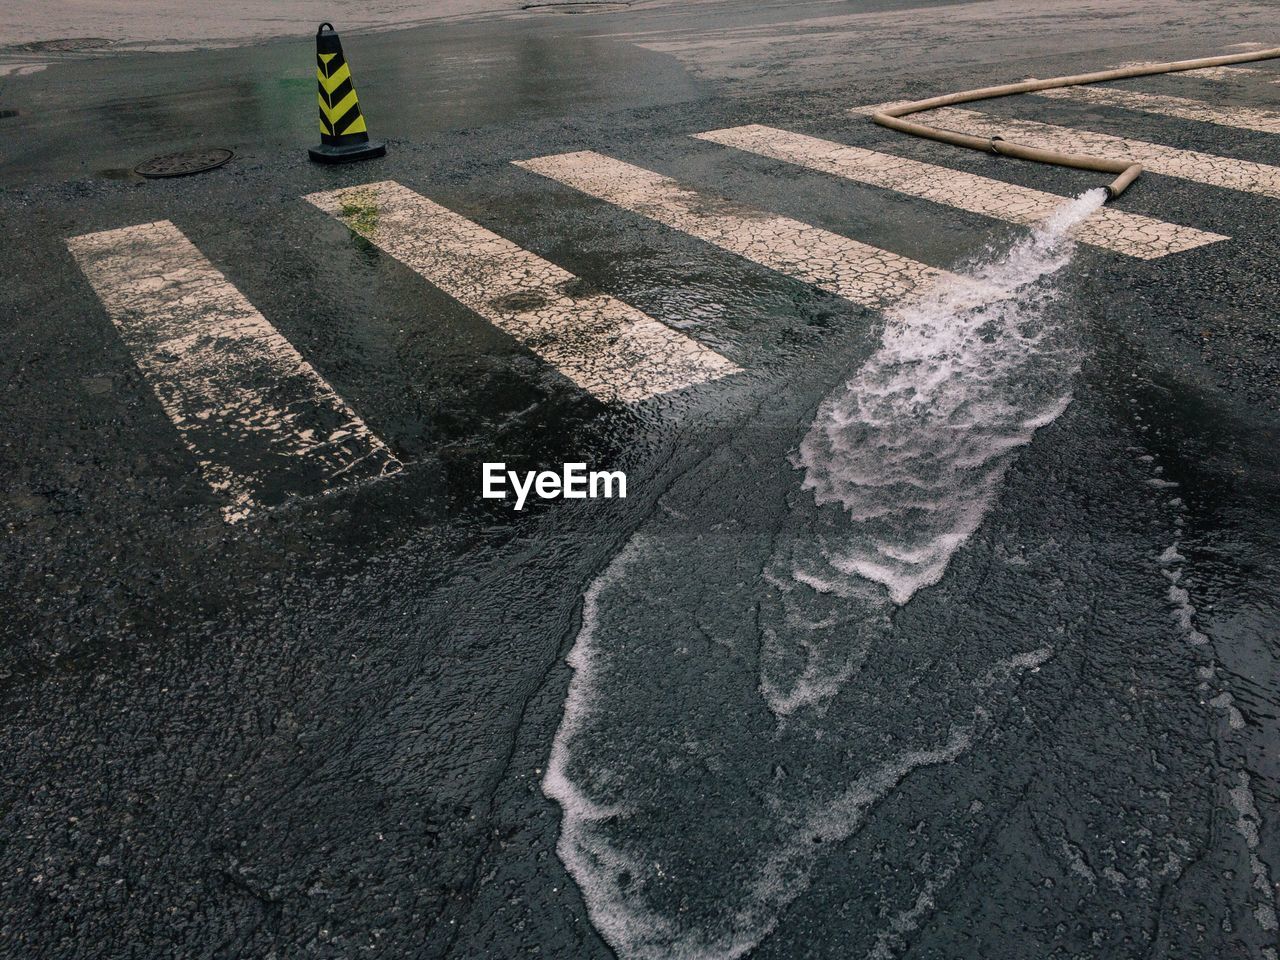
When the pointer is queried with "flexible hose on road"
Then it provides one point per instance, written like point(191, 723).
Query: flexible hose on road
point(891, 116)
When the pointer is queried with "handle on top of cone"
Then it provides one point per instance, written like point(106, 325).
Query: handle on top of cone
point(344, 137)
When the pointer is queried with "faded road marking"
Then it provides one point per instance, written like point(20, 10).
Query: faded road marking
point(1211, 73)
point(262, 423)
point(21, 69)
point(603, 345)
point(857, 271)
point(1243, 118)
point(1128, 233)
point(1207, 168)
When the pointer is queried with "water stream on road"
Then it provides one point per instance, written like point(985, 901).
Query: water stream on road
point(717, 736)
point(913, 449)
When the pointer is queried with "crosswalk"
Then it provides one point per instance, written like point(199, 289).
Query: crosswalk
point(1231, 74)
point(1210, 169)
point(265, 427)
point(603, 345)
point(1128, 233)
point(1242, 118)
point(848, 268)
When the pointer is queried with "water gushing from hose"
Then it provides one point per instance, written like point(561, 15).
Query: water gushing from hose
point(913, 449)
point(693, 815)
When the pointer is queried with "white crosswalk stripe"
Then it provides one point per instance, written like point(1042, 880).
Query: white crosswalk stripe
point(600, 343)
point(1128, 233)
point(1233, 73)
point(1207, 168)
point(1213, 73)
point(262, 423)
point(1243, 118)
point(857, 271)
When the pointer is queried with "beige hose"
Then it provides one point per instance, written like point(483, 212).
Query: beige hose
point(891, 116)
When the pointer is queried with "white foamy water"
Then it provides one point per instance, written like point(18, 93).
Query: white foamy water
point(691, 816)
point(908, 456)
point(652, 891)
point(914, 446)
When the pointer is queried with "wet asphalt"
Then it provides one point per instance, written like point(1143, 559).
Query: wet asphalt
point(320, 732)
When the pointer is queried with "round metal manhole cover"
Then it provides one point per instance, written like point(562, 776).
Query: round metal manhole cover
point(182, 164)
point(66, 45)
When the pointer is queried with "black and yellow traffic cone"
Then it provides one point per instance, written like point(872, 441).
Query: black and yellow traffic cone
point(343, 134)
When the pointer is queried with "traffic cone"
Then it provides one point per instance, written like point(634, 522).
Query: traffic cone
point(343, 134)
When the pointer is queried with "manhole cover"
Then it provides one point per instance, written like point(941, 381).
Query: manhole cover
point(66, 44)
point(181, 164)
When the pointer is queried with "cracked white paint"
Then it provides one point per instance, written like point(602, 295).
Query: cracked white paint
point(603, 345)
point(1127, 233)
point(21, 69)
point(1220, 73)
point(1207, 168)
point(857, 271)
point(263, 425)
point(1210, 73)
point(1243, 118)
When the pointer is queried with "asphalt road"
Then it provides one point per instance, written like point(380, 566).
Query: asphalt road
point(327, 729)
